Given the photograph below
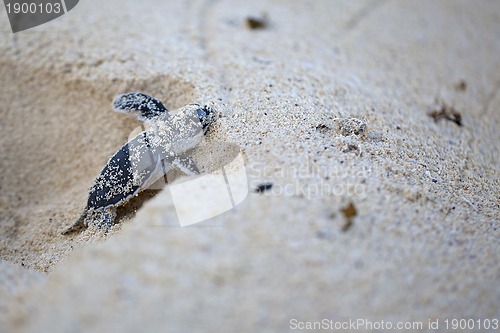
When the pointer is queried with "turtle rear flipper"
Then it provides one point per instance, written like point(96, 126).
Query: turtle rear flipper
point(144, 107)
point(102, 217)
point(78, 224)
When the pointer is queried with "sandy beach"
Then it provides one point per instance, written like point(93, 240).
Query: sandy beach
point(369, 134)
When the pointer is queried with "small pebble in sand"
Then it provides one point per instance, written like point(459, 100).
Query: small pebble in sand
point(444, 111)
point(255, 23)
point(351, 126)
point(322, 128)
point(349, 213)
point(263, 187)
point(147, 157)
point(461, 86)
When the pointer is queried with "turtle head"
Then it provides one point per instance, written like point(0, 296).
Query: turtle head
point(206, 115)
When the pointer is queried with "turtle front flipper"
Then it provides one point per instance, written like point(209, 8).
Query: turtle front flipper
point(145, 107)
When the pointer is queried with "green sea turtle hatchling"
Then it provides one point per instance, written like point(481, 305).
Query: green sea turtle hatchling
point(145, 158)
